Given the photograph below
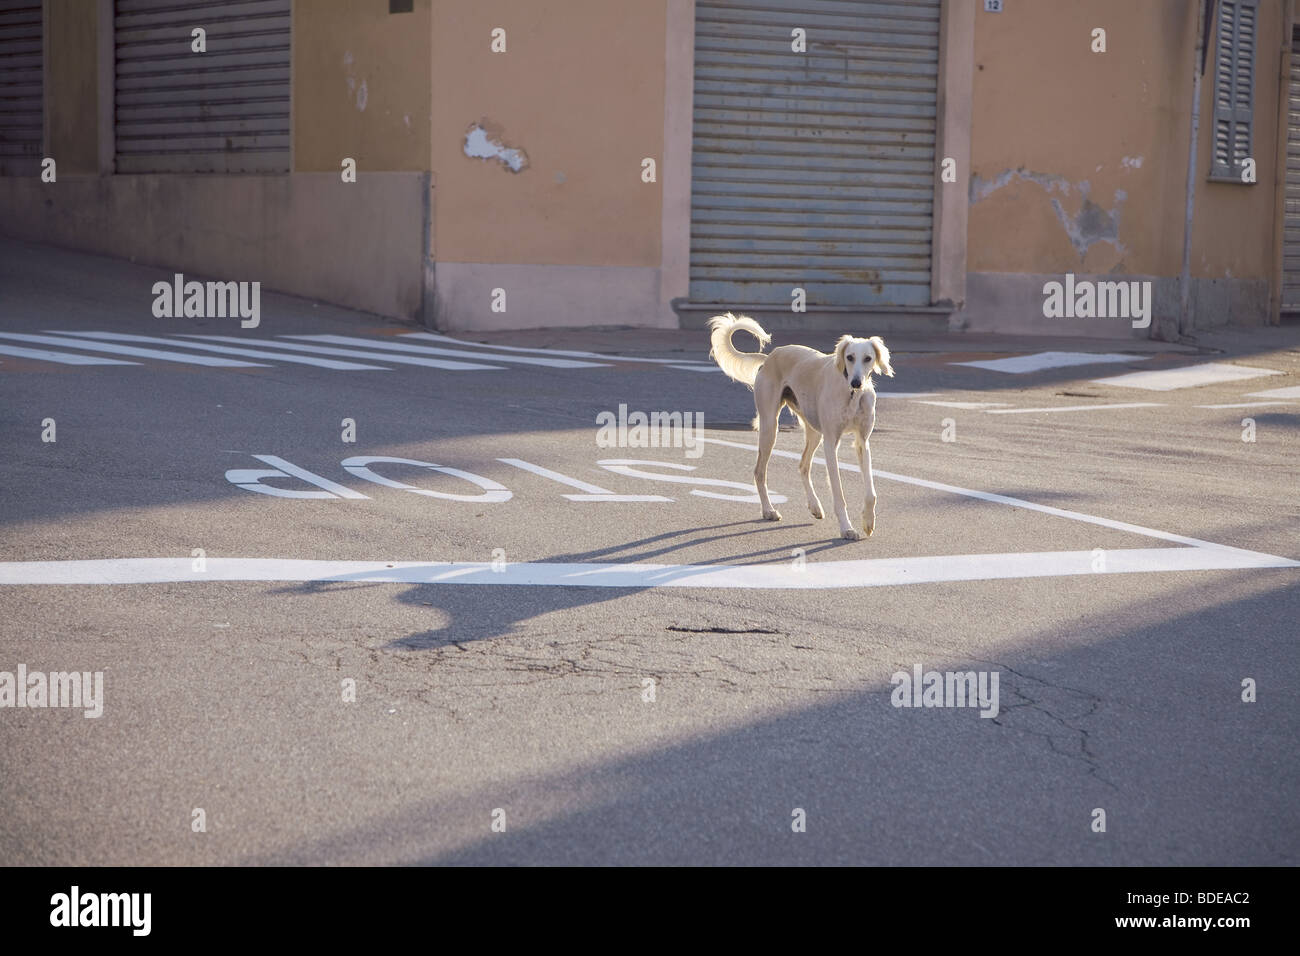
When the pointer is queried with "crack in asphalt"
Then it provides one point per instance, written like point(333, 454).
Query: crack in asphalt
point(1082, 751)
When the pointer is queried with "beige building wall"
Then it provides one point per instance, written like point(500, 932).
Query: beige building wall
point(361, 85)
point(580, 91)
point(1079, 164)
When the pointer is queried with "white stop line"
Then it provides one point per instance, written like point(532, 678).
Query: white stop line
point(878, 572)
point(1192, 554)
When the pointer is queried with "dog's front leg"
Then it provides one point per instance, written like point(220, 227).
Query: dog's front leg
point(868, 506)
point(811, 439)
point(837, 489)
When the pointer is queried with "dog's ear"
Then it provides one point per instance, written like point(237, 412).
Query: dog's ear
point(882, 356)
point(840, 346)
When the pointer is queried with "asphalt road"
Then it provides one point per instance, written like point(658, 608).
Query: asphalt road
point(518, 695)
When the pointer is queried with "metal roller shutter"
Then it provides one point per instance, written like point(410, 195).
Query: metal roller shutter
point(21, 102)
point(226, 110)
point(1291, 238)
point(814, 169)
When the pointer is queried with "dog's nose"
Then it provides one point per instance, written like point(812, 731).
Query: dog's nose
point(856, 383)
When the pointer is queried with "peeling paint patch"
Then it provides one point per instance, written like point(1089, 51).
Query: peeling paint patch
point(1131, 162)
point(1091, 225)
point(360, 93)
point(982, 188)
point(479, 145)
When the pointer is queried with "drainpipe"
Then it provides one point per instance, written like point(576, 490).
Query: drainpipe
point(1198, 67)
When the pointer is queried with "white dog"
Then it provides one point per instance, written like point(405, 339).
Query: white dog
point(831, 395)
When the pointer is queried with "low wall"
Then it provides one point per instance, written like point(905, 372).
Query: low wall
point(361, 245)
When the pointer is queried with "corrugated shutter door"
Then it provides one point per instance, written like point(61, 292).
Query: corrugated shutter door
point(21, 102)
point(1291, 240)
point(814, 169)
point(226, 110)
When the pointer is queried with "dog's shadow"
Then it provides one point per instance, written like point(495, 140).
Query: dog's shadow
point(477, 613)
point(659, 545)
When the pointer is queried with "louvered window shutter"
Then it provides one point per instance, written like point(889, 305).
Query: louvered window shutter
point(1234, 88)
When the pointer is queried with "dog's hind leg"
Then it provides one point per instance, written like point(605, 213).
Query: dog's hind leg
point(769, 410)
point(811, 439)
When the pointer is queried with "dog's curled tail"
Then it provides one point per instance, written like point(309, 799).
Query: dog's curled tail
point(740, 366)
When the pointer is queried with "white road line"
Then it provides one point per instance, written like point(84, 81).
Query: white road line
point(1022, 364)
point(697, 368)
point(1015, 503)
point(357, 353)
point(815, 575)
point(590, 492)
point(231, 350)
point(600, 356)
point(1071, 408)
point(1246, 405)
point(1188, 376)
point(1291, 391)
point(880, 394)
point(1196, 555)
point(454, 353)
point(131, 350)
point(970, 405)
point(64, 358)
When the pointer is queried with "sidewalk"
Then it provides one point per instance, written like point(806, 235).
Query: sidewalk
point(46, 287)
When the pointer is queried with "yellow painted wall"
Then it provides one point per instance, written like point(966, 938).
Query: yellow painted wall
point(1065, 140)
point(72, 117)
point(580, 90)
point(361, 85)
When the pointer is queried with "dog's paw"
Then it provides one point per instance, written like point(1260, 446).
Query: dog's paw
point(868, 530)
point(771, 515)
point(851, 534)
point(817, 512)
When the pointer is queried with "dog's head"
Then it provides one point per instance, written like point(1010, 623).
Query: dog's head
point(856, 359)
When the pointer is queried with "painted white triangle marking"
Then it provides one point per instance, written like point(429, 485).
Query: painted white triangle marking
point(1023, 364)
point(1189, 376)
point(1291, 391)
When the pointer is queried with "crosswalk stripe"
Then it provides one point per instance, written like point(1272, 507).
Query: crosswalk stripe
point(432, 337)
point(130, 350)
point(357, 353)
point(965, 405)
point(455, 353)
point(1069, 408)
point(231, 350)
point(63, 358)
